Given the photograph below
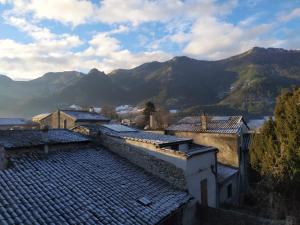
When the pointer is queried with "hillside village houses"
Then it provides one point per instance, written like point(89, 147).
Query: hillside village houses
point(229, 134)
point(123, 175)
point(70, 118)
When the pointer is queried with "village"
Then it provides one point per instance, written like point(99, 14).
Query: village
point(106, 171)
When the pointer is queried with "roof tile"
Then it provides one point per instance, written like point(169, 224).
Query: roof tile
point(83, 186)
point(215, 124)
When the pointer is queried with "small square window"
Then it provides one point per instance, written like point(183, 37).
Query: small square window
point(229, 191)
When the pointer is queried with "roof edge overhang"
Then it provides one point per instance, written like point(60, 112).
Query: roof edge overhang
point(166, 144)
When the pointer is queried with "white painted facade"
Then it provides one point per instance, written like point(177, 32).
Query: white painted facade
point(224, 189)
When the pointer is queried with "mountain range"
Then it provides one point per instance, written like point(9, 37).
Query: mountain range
point(247, 83)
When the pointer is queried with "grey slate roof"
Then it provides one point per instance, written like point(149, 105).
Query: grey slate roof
point(142, 136)
point(29, 138)
point(85, 115)
point(215, 124)
point(13, 121)
point(87, 186)
point(225, 172)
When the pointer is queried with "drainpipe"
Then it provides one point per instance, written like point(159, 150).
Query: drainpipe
point(214, 170)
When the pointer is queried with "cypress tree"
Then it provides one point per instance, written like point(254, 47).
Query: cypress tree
point(275, 151)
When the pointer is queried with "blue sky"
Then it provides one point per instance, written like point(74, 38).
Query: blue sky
point(38, 36)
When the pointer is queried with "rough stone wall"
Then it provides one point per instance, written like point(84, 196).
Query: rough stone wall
point(83, 131)
point(226, 144)
point(52, 121)
point(46, 122)
point(157, 167)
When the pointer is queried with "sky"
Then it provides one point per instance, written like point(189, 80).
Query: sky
point(39, 36)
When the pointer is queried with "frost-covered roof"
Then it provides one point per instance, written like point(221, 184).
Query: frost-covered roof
point(85, 115)
point(119, 128)
point(30, 138)
point(225, 172)
point(13, 121)
point(215, 124)
point(142, 136)
point(87, 186)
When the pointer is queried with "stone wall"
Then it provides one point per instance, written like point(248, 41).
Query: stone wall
point(136, 155)
point(52, 120)
point(227, 144)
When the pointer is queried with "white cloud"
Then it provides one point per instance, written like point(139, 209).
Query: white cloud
point(74, 12)
point(53, 52)
point(140, 11)
point(215, 39)
point(31, 60)
point(199, 27)
point(111, 55)
point(295, 13)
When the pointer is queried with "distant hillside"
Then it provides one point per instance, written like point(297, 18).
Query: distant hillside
point(247, 83)
point(14, 95)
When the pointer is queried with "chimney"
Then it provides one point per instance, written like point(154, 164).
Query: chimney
point(203, 120)
point(45, 139)
point(151, 121)
point(58, 118)
point(91, 109)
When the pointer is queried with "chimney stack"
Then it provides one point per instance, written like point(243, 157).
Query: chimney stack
point(58, 118)
point(203, 120)
point(152, 121)
point(91, 109)
point(45, 139)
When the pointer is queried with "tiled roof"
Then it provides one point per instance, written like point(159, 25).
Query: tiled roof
point(142, 136)
point(29, 138)
point(88, 186)
point(225, 172)
point(13, 121)
point(85, 115)
point(215, 124)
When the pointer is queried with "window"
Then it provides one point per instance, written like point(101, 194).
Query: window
point(229, 191)
point(65, 124)
point(204, 194)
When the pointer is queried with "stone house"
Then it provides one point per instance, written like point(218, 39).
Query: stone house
point(229, 134)
point(38, 118)
point(67, 119)
point(179, 161)
point(58, 177)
